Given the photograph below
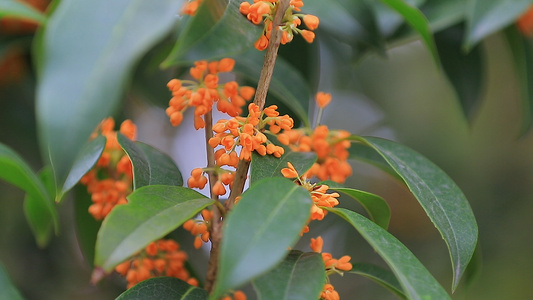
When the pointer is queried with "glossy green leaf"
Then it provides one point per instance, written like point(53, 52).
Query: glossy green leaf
point(152, 212)
point(217, 30)
point(287, 84)
point(7, 289)
point(84, 69)
point(86, 159)
point(150, 166)
point(257, 232)
point(17, 9)
point(269, 166)
point(366, 154)
point(417, 21)
point(375, 206)
point(443, 13)
point(384, 277)
point(522, 52)
point(415, 279)
point(439, 196)
point(465, 71)
point(86, 226)
point(41, 223)
point(299, 276)
point(14, 170)
point(485, 17)
point(164, 288)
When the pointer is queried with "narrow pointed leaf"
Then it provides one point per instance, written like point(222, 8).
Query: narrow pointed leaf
point(86, 159)
point(415, 279)
point(366, 154)
point(259, 229)
point(152, 212)
point(164, 288)
point(443, 202)
point(485, 17)
point(376, 207)
point(14, 170)
point(384, 277)
point(150, 166)
point(41, 223)
point(270, 166)
point(7, 289)
point(299, 276)
point(522, 52)
point(83, 69)
point(16, 9)
point(217, 30)
point(414, 17)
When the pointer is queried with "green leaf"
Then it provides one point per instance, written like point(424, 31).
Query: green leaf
point(86, 226)
point(375, 206)
point(415, 279)
point(522, 52)
point(485, 17)
point(287, 84)
point(7, 289)
point(299, 276)
point(443, 13)
point(383, 277)
point(41, 223)
point(465, 71)
point(86, 159)
point(152, 212)
point(150, 166)
point(14, 170)
point(164, 288)
point(84, 69)
point(217, 30)
point(269, 166)
point(418, 22)
point(366, 154)
point(439, 196)
point(259, 229)
point(20, 10)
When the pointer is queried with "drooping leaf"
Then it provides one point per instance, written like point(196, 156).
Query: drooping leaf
point(414, 278)
point(299, 276)
point(7, 289)
point(442, 14)
point(84, 69)
point(217, 30)
point(152, 212)
point(164, 288)
point(20, 10)
point(366, 154)
point(14, 170)
point(86, 159)
point(485, 17)
point(465, 71)
point(522, 52)
point(287, 83)
point(259, 229)
point(150, 166)
point(269, 166)
point(41, 223)
point(414, 17)
point(375, 206)
point(384, 277)
point(441, 199)
point(86, 226)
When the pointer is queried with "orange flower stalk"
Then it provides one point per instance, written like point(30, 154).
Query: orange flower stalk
point(238, 295)
point(159, 258)
point(205, 91)
point(190, 7)
point(525, 23)
point(264, 11)
point(200, 228)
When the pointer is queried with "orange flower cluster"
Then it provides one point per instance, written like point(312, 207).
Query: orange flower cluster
point(332, 266)
point(109, 182)
point(248, 133)
point(266, 9)
point(190, 7)
point(205, 91)
point(159, 258)
point(200, 228)
point(525, 22)
point(238, 295)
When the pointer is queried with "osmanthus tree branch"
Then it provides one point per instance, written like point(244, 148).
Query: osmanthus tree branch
point(261, 93)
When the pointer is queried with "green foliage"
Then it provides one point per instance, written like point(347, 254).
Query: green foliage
point(41, 224)
point(299, 276)
point(269, 166)
point(7, 289)
point(384, 277)
point(151, 213)
point(259, 230)
point(15, 9)
point(164, 288)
